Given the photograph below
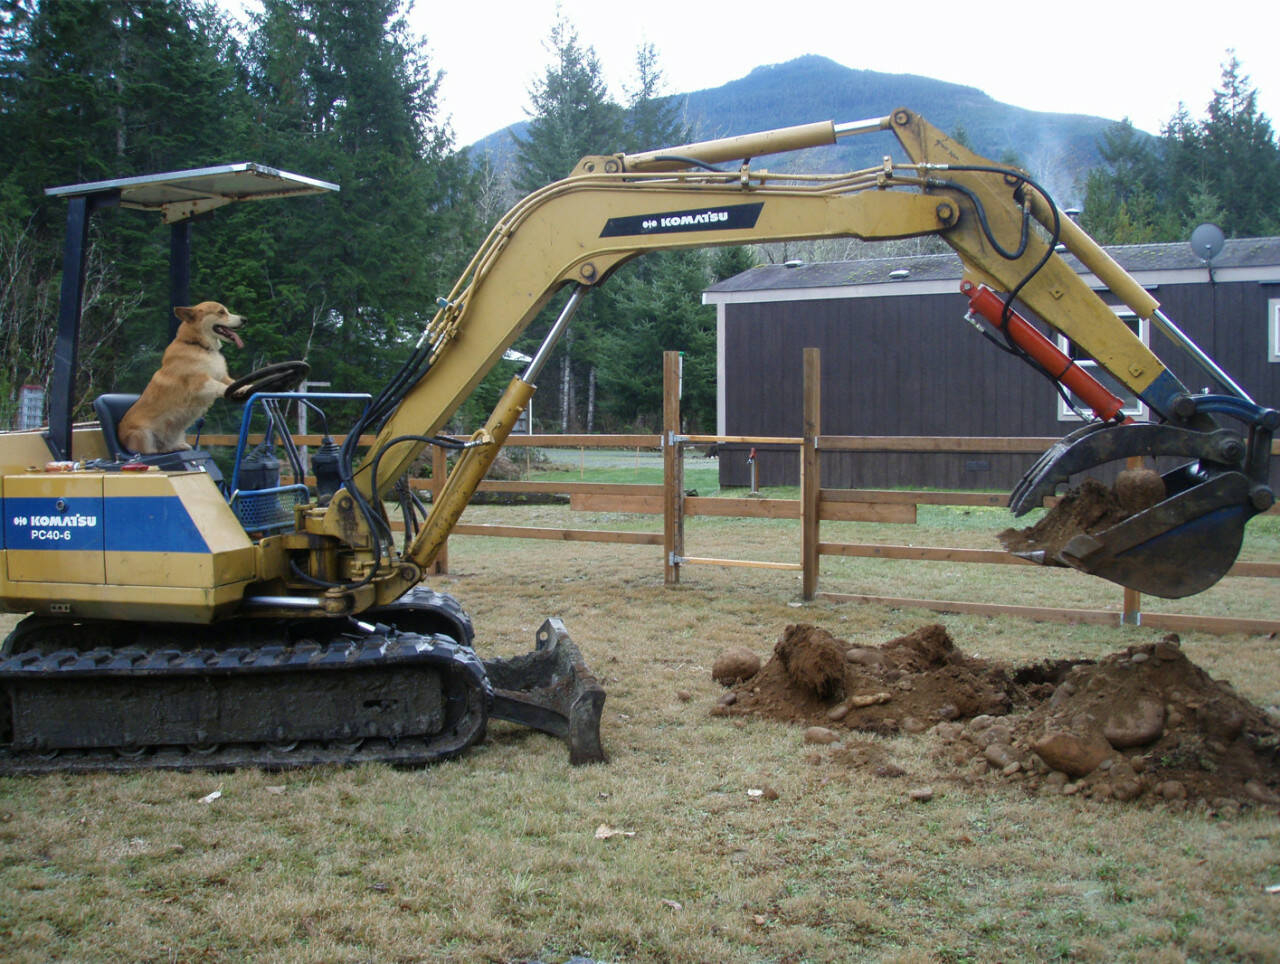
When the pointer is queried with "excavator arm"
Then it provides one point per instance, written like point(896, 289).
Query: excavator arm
point(576, 232)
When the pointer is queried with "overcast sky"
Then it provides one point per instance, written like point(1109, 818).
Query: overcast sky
point(1123, 58)
point(1120, 58)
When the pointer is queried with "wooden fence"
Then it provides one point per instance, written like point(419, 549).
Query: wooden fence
point(814, 506)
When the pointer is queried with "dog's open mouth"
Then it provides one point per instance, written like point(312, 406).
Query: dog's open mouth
point(223, 331)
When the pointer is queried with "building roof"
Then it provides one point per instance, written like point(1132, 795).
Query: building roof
point(1240, 259)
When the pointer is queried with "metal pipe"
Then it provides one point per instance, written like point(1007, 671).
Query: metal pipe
point(544, 350)
point(282, 602)
point(1166, 325)
point(863, 126)
point(733, 148)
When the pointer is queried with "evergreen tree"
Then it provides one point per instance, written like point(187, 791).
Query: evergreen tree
point(1123, 199)
point(1242, 160)
point(1224, 168)
point(656, 300)
point(347, 95)
point(90, 90)
point(572, 115)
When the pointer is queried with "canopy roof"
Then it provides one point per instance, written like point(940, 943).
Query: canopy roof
point(182, 194)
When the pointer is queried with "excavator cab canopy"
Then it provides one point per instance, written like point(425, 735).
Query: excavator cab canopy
point(179, 196)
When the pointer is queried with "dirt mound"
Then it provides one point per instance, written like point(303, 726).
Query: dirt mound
point(907, 683)
point(1145, 723)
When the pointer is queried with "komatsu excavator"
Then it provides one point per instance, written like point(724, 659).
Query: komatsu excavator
point(173, 624)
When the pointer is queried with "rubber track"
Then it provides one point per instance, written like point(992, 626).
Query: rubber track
point(458, 666)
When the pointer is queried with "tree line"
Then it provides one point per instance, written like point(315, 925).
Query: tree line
point(1223, 168)
point(100, 89)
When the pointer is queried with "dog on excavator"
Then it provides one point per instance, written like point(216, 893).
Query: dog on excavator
point(192, 375)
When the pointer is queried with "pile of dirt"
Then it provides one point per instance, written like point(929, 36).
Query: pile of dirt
point(1089, 507)
point(1145, 723)
point(908, 683)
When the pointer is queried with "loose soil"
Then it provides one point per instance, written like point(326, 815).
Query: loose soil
point(1142, 724)
point(1090, 507)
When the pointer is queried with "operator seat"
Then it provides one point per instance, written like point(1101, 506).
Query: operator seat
point(110, 410)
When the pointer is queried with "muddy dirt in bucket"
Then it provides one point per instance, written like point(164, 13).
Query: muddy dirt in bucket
point(1089, 507)
point(1144, 724)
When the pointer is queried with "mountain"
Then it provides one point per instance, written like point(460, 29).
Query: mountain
point(1057, 149)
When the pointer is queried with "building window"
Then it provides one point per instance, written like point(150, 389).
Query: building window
point(1133, 406)
point(1273, 330)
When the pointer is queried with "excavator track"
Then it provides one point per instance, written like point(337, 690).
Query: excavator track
point(388, 696)
point(404, 688)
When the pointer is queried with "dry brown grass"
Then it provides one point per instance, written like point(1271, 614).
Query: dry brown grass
point(493, 858)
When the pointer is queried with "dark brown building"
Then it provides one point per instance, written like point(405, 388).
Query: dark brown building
point(898, 358)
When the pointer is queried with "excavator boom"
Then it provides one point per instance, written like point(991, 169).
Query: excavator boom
point(1009, 235)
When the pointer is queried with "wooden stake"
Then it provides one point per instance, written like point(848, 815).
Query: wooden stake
point(1131, 608)
point(672, 470)
point(810, 483)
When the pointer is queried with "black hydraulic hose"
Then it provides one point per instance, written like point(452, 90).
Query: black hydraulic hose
point(1021, 180)
point(981, 211)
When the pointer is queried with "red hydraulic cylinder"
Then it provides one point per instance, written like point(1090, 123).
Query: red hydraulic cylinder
point(990, 306)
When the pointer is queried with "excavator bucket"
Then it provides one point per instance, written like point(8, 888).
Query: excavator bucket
point(1177, 544)
point(551, 690)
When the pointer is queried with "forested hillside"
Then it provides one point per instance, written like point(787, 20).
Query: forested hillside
point(1058, 149)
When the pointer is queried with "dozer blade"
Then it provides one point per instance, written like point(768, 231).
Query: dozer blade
point(551, 690)
point(1176, 548)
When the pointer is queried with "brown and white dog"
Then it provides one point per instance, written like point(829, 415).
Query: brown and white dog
point(192, 375)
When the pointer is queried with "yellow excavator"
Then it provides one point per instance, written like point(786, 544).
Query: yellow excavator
point(181, 620)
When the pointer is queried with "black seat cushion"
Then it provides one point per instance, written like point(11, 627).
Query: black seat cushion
point(110, 410)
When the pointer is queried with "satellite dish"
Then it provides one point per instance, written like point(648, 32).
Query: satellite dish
point(1207, 241)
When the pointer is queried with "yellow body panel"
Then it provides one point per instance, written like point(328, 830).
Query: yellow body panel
point(148, 546)
point(27, 451)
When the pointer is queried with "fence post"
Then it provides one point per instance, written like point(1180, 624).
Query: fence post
point(672, 470)
point(1131, 610)
point(439, 471)
point(810, 481)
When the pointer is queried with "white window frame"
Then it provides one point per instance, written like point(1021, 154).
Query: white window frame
point(1273, 330)
point(1137, 411)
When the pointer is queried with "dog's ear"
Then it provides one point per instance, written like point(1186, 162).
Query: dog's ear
point(185, 314)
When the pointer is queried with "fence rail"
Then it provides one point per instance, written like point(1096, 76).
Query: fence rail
point(814, 506)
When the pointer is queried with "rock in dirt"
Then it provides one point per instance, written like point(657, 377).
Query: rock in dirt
point(1175, 732)
point(1142, 724)
point(813, 658)
point(1075, 752)
point(1139, 489)
point(920, 677)
point(820, 735)
point(733, 665)
point(869, 699)
point(1136, 724)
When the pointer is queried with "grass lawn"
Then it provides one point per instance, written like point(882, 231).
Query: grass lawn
point(494, 857)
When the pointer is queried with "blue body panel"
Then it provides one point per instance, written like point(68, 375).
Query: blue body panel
point(143, 524)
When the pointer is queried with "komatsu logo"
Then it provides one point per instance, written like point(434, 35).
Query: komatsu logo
point(728, 218)
point(686, 220)
point(63, 521)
